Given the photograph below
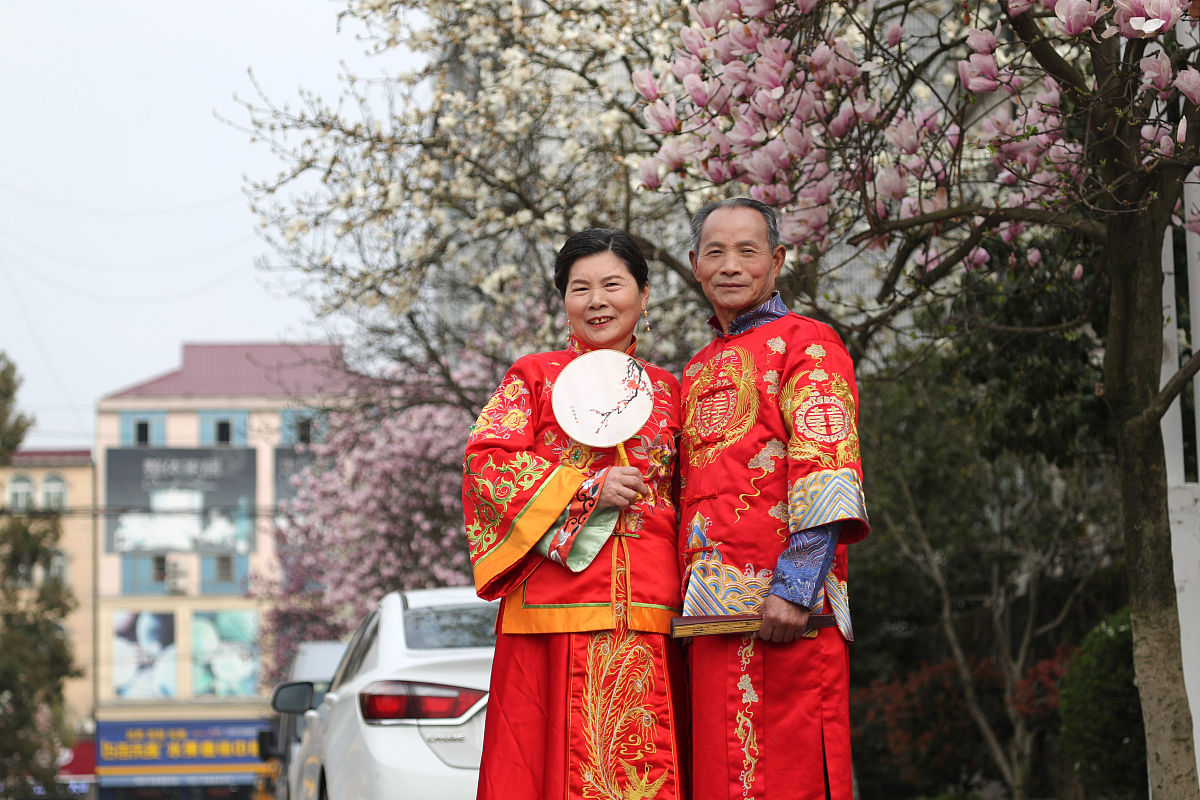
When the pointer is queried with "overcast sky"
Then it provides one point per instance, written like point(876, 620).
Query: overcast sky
point(123, 230)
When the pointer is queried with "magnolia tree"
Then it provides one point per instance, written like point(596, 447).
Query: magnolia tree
point(443, 185)
point(913, 140)
point(426, 204)
point(378, 509)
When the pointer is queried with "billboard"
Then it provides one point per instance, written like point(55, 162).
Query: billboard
point(289, 462)
point(178, 752)
point(164, 499)
point(143, 653)
point(225, 653)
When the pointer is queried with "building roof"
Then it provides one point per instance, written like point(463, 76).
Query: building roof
point(256, 370)
point(52, 458)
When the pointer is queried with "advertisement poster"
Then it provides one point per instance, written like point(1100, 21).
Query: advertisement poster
point(183, 752)
point(166, 499)
point(289, 462)
point(144, 662)
point(225, 653)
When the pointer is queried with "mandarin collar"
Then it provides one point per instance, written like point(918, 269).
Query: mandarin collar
point(577, 346)
point(772, 309)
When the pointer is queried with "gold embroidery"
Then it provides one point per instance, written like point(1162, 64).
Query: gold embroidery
point(720, 406)
point(495, 486)
point(821, 419)
point(617, 724)
point(505, 412)
point(745, 716)
point(764, 462)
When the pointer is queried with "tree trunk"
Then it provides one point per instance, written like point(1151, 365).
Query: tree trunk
point(1132, 363)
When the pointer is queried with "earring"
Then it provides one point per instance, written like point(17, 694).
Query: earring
point(646, 319)
point(570, 334)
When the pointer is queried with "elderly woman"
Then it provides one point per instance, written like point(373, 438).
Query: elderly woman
point(581, 551)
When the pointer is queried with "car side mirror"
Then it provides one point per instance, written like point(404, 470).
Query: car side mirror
point(293, 698)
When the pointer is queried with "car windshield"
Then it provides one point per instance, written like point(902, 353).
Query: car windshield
point(435, 627)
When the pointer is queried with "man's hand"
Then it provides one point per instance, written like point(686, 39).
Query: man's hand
point(622, 488)
point(782, 621)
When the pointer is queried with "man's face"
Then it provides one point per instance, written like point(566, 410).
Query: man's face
point(734, 265)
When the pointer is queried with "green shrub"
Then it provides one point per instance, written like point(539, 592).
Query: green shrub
point(1101, 733)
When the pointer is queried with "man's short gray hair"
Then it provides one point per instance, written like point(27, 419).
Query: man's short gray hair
point(767, 212)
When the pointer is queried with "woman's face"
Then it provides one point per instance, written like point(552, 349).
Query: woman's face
point(603, 301)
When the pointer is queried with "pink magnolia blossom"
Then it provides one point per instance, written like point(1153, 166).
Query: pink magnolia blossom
point(820, 57)
point(758, 168)
point(673, 154)
point(765, 103)
point(646, 84)
point(758, 8)
point(1156, 73)
point(1139, 19)
point(717, 171)
point(648, 173)
point(979, 73)
point(895, 31)
point(1018, 7)
point(982, 42)
point(903, 135)
point(694, 40)
point(889, 183)
point(1188, 83)
point(842, 123)
point(662, 116)
point(686, 65)
point(1077, 16)
point(697, 87)
point(977, 258)
point(1033, 256)
point(1077, 273)
point(711, 12)
point(744, 37)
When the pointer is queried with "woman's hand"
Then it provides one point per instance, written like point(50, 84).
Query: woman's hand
point(623, 486)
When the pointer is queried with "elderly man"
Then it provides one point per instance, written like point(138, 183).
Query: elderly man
point(772, 494)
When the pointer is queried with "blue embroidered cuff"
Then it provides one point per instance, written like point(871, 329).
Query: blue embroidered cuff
point(802, 567)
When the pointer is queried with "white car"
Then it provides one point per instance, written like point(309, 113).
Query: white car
point(404, 714)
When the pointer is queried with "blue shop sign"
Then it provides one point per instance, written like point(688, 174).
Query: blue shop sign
point(192, 752)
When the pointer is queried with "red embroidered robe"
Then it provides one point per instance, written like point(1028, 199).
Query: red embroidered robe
point(770, 447)
point(582, 700)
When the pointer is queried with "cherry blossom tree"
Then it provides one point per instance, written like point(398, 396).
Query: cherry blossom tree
point(911, 140)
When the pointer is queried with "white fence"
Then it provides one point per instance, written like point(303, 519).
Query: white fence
point(1184, 496)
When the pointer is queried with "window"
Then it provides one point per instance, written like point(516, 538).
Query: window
point(300, 426)
point(58, 566)
point(223, 428)
point(144, 574)
point(224, 573)
point(143, 428)
point(54, 492)
point(20, 493)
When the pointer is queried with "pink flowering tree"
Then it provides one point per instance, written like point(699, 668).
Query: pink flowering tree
point(908, 142)
point(378, 509)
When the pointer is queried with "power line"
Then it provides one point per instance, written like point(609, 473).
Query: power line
point(37, 341)
point(54, 202)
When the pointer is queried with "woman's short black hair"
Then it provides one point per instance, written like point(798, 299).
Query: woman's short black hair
point(600, 240)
